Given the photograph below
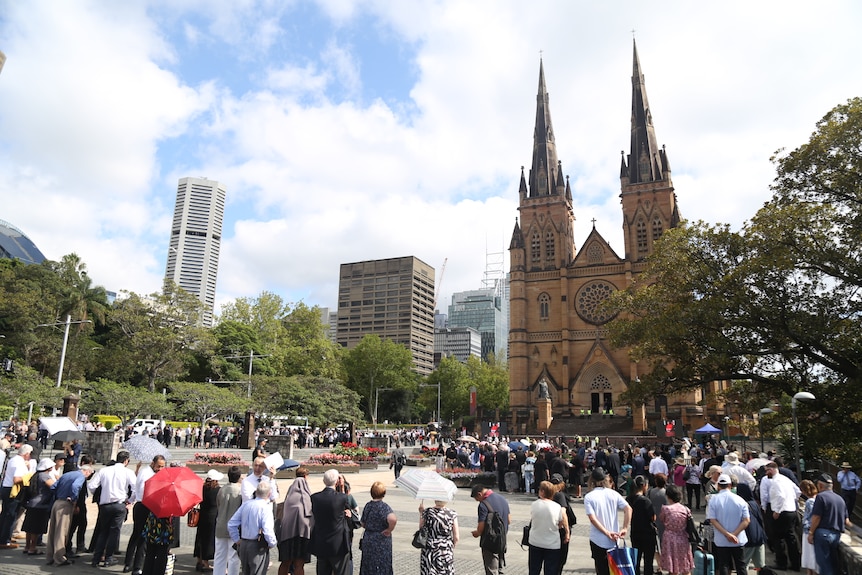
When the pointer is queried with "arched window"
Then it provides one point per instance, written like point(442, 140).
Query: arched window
point(641, 231)
point(657, 228)
point(536, 247)
point(549, 247)
point(544, 306)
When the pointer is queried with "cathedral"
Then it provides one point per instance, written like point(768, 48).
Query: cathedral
point(558, 347)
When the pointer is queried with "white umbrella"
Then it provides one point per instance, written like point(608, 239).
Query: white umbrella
point(526, 442)
point(57, 424)
point(468, 439)
point(144, 448)
point(427, 485)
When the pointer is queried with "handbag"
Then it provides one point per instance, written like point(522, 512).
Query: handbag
point(622, 560)
point(193, 517)
point(691, 530)
point(420, 539)
point(525, 536)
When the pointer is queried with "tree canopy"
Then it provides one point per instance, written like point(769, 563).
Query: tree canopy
point(774, 307)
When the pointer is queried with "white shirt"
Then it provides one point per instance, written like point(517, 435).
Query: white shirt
point(115, 481)
point(782, 494)
point(16, 467)
point(740, 472)
point(765, 482)
point(250, 483)
point(657, 465)
point(144, 473)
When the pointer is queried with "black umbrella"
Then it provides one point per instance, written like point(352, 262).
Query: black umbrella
point(68, 436)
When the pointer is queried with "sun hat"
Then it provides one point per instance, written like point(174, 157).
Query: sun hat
point(215, 475)
point(732, 457)
point(846, 465)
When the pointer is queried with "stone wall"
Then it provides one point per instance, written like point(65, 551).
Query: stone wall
point(280, 443)
point(102, 446)
point(378, 442)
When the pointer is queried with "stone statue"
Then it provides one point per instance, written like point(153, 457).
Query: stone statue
point(543, 390)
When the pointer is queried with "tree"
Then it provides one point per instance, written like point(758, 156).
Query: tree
point(774, 307)
point(205, 402)
point(24, 385)
point(159, 335)
point(322, 400)
point(454, 380)
point(377, 363)
point(123, 400)
point(305, 349)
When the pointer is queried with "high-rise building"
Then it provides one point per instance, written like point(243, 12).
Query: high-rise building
point(482, 310)
point(457, 342)
point(558, 339)
point(393, 298)
point(193, 250)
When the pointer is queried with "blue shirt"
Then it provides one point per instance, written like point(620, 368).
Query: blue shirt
point(253, 516)
point(68, 486)
point(729, 509)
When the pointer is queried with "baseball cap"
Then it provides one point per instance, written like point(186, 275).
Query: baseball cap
point(824, 478)
point(598, 474)
point(724, 479)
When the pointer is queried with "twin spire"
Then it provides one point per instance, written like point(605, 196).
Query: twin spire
point(646, 161)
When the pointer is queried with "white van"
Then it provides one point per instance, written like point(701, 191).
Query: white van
point(150, 426)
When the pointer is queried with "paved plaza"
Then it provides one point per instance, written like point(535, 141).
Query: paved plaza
point(468, 558)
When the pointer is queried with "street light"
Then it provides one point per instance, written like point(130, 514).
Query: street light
point(764, 411)
point(377, 401)
point(67, 323)
point(807, 397)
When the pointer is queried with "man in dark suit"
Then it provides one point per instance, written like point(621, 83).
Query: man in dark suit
point(329, 535)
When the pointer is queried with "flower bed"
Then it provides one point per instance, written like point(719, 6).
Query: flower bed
point(315, 468)
point(220, 461)
point(357, 453)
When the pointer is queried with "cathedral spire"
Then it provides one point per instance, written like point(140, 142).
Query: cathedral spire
point(646, 162)
point(543, 173)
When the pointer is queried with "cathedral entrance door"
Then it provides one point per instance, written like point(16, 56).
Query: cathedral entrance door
point(609, 402)
point(595, 403)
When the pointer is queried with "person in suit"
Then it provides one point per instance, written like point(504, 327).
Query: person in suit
point(329, 534)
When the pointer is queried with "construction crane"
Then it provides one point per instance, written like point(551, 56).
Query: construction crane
point(439, 284)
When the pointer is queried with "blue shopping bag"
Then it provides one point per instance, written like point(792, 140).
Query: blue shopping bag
point(622, 559)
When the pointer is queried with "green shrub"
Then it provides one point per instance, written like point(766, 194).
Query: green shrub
point(109, 421)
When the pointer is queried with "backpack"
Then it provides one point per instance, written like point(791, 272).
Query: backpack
point(494, 535)
point(686, 475)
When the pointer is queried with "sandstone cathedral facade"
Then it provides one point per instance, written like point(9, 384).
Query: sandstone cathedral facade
point(557, 336)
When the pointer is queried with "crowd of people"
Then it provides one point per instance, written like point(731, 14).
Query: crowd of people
point(752, 502)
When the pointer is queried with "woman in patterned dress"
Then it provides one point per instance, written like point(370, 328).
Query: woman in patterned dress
point(441, 524)
point(378, 520)
point(675, 549)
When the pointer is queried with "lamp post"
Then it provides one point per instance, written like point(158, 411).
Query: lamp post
point(807, 397)
point(67, 323)
point(377, 401)
point(764, 411)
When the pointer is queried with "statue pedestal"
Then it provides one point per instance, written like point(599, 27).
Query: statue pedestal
point(545, 417)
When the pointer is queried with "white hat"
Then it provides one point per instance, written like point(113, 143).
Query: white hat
point(215, 475)
point(45, 464)
point(724, 479)
point(732, 457)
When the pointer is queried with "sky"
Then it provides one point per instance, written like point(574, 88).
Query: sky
point(355, 130)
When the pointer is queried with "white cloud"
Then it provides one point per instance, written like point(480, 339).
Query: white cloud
point(98, 123)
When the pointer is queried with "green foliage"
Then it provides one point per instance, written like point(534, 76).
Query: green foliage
point(205, 402)
point(322, 400)
point(109, 421)
point(123, 400)
point(377, 363)
point(774, 307)
point(158, 336)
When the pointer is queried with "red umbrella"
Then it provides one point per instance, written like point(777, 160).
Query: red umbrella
point(172, 492)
